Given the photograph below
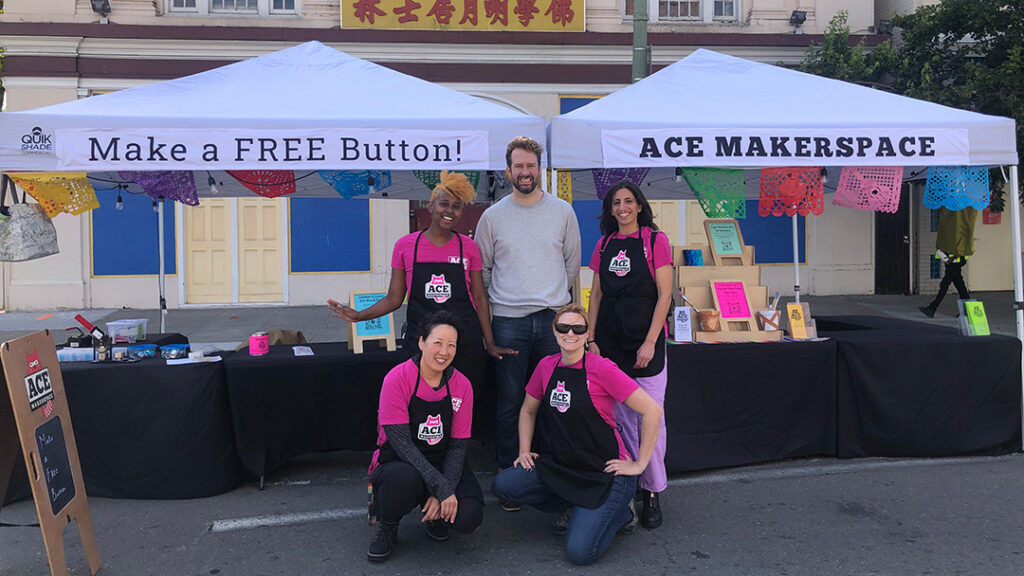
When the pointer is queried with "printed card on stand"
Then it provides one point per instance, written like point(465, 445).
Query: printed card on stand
point(683, 324)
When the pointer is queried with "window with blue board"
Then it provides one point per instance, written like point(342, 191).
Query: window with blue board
point(124, 242)
point(772, 236)
point(330, 235)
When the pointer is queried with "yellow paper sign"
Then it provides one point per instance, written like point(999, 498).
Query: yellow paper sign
point(797, 323)
point(511, 15)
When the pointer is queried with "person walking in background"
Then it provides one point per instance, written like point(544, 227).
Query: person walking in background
point(954, 243)
point(629, 302)
point(424, 423)
point(530, 245)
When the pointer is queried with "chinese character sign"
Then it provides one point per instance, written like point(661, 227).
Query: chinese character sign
point(517, 15)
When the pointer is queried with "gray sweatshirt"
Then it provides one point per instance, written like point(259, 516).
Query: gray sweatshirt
point(531, 254)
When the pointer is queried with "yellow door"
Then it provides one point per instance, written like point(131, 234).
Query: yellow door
point(208, 251)
point(259, 250)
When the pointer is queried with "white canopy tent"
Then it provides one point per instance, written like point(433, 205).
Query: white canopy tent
point(713, 110)
point(306, 108)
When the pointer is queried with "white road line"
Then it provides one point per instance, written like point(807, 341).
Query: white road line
point(285, 519)
point(816, 468)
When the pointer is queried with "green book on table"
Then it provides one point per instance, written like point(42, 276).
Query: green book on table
point(972, 314)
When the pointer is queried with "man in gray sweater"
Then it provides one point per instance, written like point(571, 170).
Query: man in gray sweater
point(530, 246)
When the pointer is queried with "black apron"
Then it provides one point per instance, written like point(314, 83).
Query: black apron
point(629, 296)
point(430, 424)
point(581, 441)
point(442, 286)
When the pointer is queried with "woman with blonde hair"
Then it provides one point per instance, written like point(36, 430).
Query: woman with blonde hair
point(439, 269)
point(586, 470)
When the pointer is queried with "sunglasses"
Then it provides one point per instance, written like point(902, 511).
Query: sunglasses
point(576, 328)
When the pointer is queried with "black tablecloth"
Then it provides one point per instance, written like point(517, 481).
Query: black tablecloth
point(284, 405)
point(148, 430)
point(927, 391)
point(735, 404)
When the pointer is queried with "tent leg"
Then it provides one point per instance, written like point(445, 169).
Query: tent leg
point(796, 260)
point(160, 246)
point(1018, 285)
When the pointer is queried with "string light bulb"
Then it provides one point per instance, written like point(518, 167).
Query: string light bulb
point(679, 174)
point(212, 183)
point(824, 175)
point(119, 205)
point(370, 183)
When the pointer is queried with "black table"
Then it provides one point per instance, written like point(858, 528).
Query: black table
point(925, 390)
point(744, 403)
point(284, 405)
point(148, 430)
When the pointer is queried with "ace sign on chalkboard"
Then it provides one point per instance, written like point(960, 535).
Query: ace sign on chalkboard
point(32, 390)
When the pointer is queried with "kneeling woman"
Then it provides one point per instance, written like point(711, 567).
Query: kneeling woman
point(423, 428)
point(574, 394)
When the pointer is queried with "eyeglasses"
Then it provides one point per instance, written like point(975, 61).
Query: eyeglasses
point(576, 328)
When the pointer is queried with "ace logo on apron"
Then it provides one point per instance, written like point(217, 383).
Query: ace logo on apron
point(431, 431)
point(438, 289)
point(561, 399)
point(620, 264)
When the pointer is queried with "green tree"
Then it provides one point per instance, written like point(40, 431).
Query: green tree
point(967, 54)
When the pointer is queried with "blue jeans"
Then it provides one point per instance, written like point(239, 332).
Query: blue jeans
point(590, 530)
point(532, 336)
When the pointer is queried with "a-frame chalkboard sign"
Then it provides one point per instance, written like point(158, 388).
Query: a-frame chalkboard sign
point(32, 391)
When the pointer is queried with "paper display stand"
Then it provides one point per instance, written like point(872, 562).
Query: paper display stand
point(726, 243)
point(375, 330)
point(33, 392)
point(973, 321)
point(757, 297)
point(798, 318)
point(733, 304)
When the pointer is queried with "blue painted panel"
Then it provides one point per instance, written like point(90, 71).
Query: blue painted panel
point(330, 235)
point(567, 104)
point(588, 213)
point(124, 242)
point(772, 236)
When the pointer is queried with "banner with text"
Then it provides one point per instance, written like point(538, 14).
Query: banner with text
point(240, 149)
point(512, 15)
point(709, 147)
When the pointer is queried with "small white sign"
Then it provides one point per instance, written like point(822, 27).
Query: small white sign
point(684, 324)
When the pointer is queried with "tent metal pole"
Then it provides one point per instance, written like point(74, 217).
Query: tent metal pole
point(1018, 288)
point(160, 245)
point(796, 260)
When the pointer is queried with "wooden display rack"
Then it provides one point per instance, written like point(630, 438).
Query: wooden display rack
point(757, 297)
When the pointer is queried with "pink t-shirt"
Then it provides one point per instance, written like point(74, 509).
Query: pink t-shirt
point(606, 383)
point(397, 390)
point(662, 250)
point(401, 256)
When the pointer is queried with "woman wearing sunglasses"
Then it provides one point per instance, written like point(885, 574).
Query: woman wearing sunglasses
point(587, 470)
point(629, 302)
point(423, 428)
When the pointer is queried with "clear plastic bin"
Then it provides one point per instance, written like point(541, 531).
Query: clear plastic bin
point(129, 331)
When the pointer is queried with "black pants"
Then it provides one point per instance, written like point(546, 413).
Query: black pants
point(955, 276)
point(399, 488)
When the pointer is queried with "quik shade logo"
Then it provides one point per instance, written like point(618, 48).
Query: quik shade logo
point(438, 289)
point(561, 399)
point(37, 141)
point(620, 264)
point(37, 383)
point(431, 431)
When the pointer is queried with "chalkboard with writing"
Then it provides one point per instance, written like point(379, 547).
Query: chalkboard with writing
point(56, 468)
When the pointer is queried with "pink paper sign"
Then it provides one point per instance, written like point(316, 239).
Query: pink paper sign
point(732, 300)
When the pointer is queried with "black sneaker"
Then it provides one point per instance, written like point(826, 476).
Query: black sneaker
point(383, 544)
point(510, 506)
point(437, 530)
point(927, 311)
point(561, 525)
point(630, 526)
point(650, 515)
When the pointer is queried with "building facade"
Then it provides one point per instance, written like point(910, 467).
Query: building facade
point(59, 50)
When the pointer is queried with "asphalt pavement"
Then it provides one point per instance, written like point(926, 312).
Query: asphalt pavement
point(808, 516)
